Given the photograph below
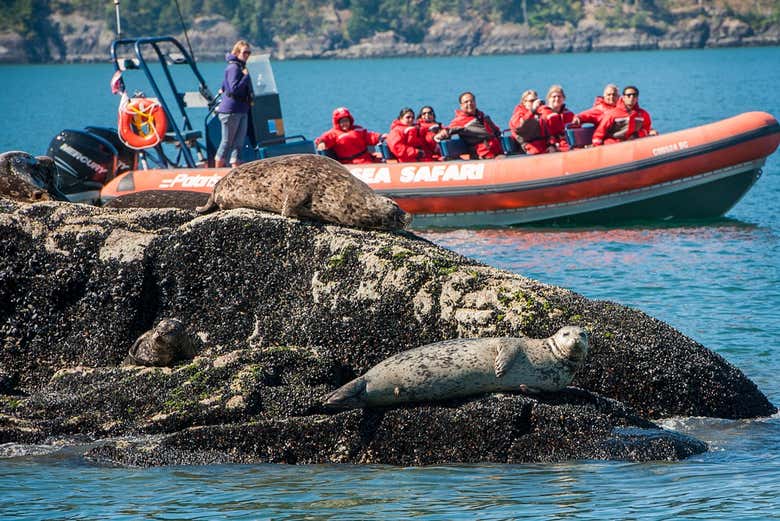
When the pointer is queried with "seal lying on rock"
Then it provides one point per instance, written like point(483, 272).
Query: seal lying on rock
point(161, 346)
point(466, 367)
point(28, 179)
point(309, 186)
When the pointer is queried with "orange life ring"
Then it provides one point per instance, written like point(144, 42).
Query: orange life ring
point(142, 122)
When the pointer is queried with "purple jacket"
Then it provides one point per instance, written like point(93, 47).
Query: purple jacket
point(236, 87)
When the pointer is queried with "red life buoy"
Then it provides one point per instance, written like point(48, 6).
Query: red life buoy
point(142, 122)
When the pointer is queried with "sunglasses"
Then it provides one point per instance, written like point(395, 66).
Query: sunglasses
point(531, 100)
point(428, 113)
point(631, 94)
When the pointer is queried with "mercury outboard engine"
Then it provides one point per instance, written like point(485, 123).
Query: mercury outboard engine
point(127, 158)
point(85, 162)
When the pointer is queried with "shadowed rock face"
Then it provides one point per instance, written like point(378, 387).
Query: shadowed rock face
point(291, 310)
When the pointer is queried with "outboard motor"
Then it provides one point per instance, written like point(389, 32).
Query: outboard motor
point(127, 158)
point(84, 161)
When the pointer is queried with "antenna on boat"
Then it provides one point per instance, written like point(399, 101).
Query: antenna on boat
point(118, 22)
point(184, 27)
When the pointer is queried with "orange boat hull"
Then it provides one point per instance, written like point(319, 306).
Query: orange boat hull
point(697, 172)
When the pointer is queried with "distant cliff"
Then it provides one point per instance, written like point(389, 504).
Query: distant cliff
point(35, 31)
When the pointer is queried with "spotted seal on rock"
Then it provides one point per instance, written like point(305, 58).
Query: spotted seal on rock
point(308, 186)
point(466, 367)
point(28, 179)
point(161, 346)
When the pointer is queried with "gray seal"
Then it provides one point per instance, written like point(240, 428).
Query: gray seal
point(467, 367)
point(308, 186)
point(28, 179)
point(163, 345)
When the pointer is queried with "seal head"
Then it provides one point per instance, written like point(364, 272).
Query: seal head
point(161, 346)
point(28, 179)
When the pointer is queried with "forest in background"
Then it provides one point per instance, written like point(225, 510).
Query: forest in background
point(265, 21)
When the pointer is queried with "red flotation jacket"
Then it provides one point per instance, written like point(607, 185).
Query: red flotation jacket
point(429, 126)
point(411, 143)
point(350, 146)
point(528, 130)
point(621, 124)
point(593, 114)
point(555, 123)
point(479, 132)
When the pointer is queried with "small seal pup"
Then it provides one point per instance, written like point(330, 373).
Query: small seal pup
point(308, 186)
point(28, 179)
point(466, 367)
point(161, 346)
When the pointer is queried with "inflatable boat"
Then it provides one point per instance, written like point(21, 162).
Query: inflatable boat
point(696, 173)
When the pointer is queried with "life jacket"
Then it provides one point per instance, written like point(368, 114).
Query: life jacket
point(410, 142)
point(525, 125)
point(350, 146)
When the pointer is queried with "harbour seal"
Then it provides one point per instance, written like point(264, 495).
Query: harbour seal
point(28, 179)
point(466, 367)
point(161, 346)
point(308, 186)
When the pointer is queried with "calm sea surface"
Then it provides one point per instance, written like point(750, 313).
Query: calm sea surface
point(716, 281)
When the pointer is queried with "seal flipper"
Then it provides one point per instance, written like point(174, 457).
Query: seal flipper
point(351, 395)
point(505, 356)
point(209, 207)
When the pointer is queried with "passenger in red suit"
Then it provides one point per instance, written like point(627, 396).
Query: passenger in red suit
point(555, 116)
point(348, 141)
point(601, 105)
point(625, 122)
point(426, 118)
point(526, 126)
point(475, 128)
point(409, 142)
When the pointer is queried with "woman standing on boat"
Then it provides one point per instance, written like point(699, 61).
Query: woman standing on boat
point(234, 108)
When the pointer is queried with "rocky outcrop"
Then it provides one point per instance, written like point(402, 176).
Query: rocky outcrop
point(290, 310)
point(73, 38)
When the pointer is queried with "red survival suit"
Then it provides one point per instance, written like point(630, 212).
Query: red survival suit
point(411, 143)
point(555, 123)
point(479, 132)
point(429, 126)
point(621, 124)
point(350, 146)
point(593, 114)
point(528, 130)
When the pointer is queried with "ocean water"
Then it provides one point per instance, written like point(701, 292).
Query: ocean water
point(717, 281)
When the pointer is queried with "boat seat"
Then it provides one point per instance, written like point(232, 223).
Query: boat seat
point(301, 145)
point(453, 148)
point(384, 149)
point(509, 144)
point(580, 137)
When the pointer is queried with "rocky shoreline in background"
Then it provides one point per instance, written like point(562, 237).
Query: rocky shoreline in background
point(74, 38)
point(290, 310)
